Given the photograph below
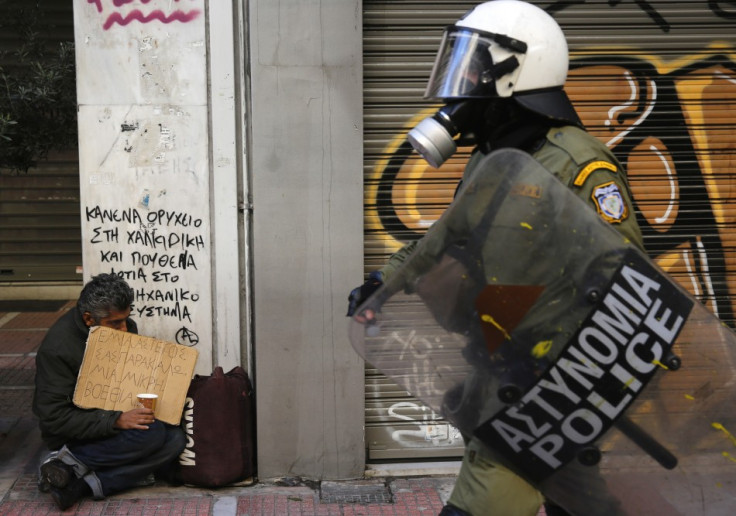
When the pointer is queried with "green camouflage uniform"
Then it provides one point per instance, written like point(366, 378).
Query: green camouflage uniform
point(573, 156)
point(590, 170)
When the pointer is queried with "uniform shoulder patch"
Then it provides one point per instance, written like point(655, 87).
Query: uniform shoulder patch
point(590, 168)
point(609, 202)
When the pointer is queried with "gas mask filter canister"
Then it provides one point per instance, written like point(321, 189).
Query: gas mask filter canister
point(432, 141)
point(433, 137)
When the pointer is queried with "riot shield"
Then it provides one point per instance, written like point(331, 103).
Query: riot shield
point(530, 323)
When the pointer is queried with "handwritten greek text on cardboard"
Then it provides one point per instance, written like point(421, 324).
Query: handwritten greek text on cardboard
point(118, 365)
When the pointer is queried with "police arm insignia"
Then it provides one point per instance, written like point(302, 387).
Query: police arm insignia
point(610, 203)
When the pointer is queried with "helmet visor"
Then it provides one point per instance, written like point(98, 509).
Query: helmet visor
point(463, 66)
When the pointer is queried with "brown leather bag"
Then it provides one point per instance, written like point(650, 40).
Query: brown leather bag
point(218, 421)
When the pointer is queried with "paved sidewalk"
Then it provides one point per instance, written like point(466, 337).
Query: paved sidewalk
point(22, 327)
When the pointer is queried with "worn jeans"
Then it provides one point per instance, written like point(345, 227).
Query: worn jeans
point(121, 461)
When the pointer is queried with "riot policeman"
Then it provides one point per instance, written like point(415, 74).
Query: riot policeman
point(500, 72)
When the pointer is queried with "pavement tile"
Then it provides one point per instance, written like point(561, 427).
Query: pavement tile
point(32, 320)
point(26, 488)
point(15, 403)
point(20, 341)
point(17, 371)
point(418, 497)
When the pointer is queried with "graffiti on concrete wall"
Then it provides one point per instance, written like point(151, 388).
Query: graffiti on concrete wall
point(143, 220)
point(669, 124)
point(152, 250)
point(143, 160)
point(123, 12)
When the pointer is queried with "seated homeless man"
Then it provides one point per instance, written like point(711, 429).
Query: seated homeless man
point(94, 452)
point(500, 72)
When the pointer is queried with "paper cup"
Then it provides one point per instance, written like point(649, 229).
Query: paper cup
point(146, 400)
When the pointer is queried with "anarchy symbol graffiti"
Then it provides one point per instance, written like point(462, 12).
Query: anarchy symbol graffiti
point(186, 337)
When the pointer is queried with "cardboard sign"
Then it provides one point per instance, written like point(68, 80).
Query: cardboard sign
point(118, 365)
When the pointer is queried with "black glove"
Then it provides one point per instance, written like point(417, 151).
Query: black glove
point(359, 294)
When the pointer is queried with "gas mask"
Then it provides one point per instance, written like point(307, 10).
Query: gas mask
point(434, 137)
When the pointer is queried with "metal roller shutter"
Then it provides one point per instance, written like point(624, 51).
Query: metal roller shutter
point(400, 39)
point(40, 235)
point(655, 80)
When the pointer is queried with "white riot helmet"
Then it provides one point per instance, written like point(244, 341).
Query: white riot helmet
point(499, 49)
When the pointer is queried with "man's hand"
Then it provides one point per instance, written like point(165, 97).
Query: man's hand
point(359, 294)
point(137, 419)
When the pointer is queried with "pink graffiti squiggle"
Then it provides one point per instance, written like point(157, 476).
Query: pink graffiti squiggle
point(136, 15)
point(118, 3)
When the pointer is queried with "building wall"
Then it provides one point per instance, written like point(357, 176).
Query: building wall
point(306, 173)
point(221, 174)
point(145, 162)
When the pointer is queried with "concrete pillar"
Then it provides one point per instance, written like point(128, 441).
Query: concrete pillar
point(306, 170)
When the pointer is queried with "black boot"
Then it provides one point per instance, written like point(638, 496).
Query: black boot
point(55, 473)
point(553, 509)
point(71, 494)
point(451, 510)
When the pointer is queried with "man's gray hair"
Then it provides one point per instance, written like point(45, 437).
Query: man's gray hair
point(104, 293)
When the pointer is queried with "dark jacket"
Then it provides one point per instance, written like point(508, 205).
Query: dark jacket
point(58, 361)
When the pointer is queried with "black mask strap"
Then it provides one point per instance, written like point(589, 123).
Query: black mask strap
point(508, 65)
